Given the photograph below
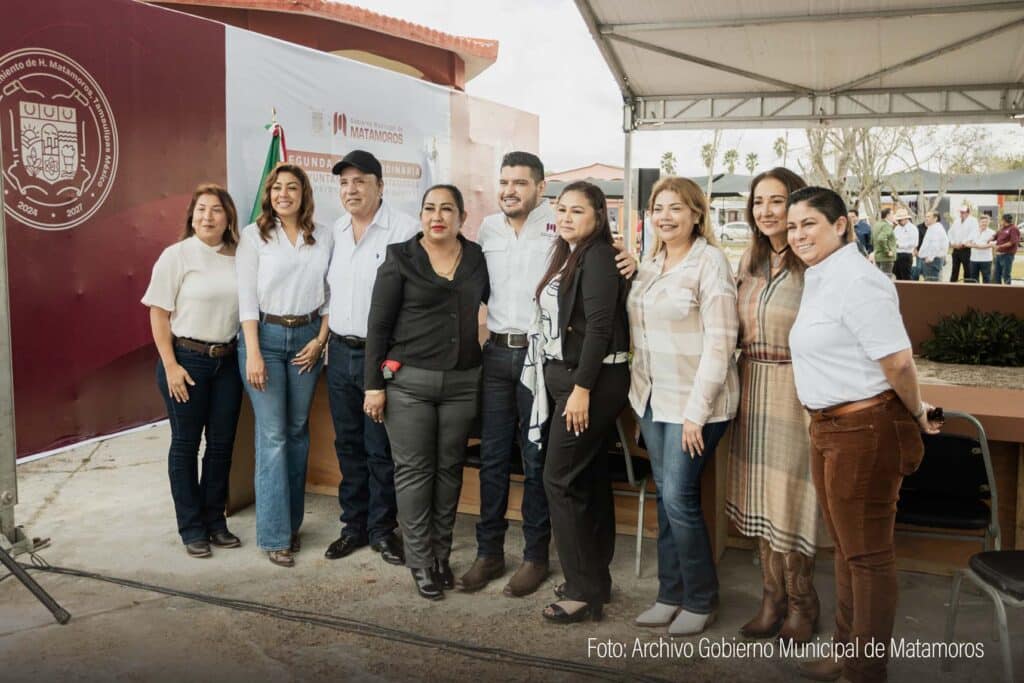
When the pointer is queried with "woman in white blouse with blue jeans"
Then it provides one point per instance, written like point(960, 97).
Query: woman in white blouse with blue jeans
point(282, 264)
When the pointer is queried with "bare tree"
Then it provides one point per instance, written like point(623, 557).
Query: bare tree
point(668, 163)
point(751, 162)
point(946, 153)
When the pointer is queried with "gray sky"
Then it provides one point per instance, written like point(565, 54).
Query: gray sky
point(549, 65)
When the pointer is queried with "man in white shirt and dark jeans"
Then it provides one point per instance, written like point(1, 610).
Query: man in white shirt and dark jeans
point(516, 244)
point(361, 238)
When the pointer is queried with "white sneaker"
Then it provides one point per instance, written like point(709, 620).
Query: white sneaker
point(658, 614)
point(690, 624)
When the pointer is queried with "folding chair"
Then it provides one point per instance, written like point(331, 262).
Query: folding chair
point(635, 471)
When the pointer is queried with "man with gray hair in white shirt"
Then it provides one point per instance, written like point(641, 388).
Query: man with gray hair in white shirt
point(959, 233)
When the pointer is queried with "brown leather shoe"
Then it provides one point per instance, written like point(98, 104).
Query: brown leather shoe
point(484, 569)
point(825, 669)
point(527, 579)
point(803, 608)
point(282, 558)
point(766, 622)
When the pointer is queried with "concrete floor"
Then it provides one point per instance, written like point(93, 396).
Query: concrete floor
point(107, 509)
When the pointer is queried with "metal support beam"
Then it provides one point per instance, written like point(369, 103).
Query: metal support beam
point(610, 58)
point(625, 219)
point(708, 63)
point(8, 451)
point(744, 22)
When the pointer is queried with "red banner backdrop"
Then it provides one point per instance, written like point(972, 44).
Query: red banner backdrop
point(110, 114)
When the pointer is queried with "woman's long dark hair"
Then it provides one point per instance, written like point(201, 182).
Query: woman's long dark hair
point(760, 246)
point(561, 254)
point(267, 220)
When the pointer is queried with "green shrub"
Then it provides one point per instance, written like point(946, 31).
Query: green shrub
point(977, 339)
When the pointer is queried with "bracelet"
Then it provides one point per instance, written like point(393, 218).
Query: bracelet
point(918, 414)
point(318, 342)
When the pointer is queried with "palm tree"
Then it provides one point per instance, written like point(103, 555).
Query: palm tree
point(730, 158)
point(668, 163)
point(751, 162)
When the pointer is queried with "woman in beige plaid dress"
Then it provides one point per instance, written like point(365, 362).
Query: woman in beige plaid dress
point(770, 493)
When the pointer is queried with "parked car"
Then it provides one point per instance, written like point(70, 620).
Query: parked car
point(736, 231)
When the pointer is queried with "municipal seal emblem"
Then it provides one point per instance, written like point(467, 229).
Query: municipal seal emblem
point(59, 140)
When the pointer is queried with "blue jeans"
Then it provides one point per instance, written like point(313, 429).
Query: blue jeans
point(367, 489)
point(212, 406)
point(282, 431)
point(1004, 269)
point(686, 566)
point(981, 271)
point(932, 271)
point(504, 420)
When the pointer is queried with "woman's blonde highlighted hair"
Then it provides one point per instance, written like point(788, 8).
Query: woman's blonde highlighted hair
point(691, 195)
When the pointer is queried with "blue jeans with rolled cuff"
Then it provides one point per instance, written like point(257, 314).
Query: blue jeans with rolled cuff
point(1004, 269)
point(282, 431)
point(686, 564)
point(212, 408)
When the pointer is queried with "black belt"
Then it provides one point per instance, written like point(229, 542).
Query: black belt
point(206, 348)
point(290, 320)
point(349, 340)
point(515, 340)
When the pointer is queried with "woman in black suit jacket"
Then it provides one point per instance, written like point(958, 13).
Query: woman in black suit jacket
point(585, 338)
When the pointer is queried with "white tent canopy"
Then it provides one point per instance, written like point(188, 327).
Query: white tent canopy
point(801, 63)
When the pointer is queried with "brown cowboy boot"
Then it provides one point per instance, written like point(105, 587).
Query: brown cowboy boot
point(802, 612)
point(773, 601)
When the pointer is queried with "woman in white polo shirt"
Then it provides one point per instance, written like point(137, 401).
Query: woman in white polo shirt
point(282, 267)
point(855, 373)
point(684, 387)
point(193, 311)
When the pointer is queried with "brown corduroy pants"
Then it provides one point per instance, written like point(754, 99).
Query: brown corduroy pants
point(858, 462)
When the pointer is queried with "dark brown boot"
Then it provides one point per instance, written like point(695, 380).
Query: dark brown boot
point(773, 600)
point(802, 610)
point(484, 569)
point(527, 579)
point(825, 669)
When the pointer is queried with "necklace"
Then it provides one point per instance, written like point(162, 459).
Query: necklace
point(778, 256)
point(449, 274)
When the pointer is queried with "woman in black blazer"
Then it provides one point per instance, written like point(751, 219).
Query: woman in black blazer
point(585, 339)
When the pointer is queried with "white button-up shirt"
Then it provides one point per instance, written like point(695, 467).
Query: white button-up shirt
point(279, 277)
point(516, 265)
point(935, 243)
point(906, 238)
point(980, 236)
point(354, 266)
point(849, 319)
point(960, 231)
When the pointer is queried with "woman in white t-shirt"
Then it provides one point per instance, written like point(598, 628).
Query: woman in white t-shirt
point(855, 374)
point(193, 311)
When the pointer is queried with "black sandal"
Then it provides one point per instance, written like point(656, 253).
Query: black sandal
point(560, 616)
point(560, 594)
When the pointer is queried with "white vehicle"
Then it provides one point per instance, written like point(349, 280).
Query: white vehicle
point(736, 231)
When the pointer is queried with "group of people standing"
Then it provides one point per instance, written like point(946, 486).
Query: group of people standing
point(909, 252)
point(824, 396)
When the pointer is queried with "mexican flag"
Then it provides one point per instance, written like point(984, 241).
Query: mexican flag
point(277, 153)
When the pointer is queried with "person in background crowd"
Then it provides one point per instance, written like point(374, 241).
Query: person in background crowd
point(906, 244)
point(770, 495)
point(193, 312)
point(933, 249)
point(981, 242)
point(1007, 242)
point(855, 373)
point(579, 352)
point(863, 231)
point(282, 264)
point(422, 376)
point(516, 243)
point(361, 237)
point(683, 385)
point(883, 238)
point(922, 229)
point(959, 233)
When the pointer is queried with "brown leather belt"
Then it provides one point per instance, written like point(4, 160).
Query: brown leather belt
point(854, 406)
point(290, 320)
point(206, 348)
point(515, 340)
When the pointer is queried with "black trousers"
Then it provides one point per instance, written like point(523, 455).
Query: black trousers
point(577, 482)
point(904, 264)
point(961, 258)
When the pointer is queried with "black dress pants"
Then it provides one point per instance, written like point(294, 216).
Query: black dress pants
point(904, 264)
point(577, 482)
point(961, 259)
